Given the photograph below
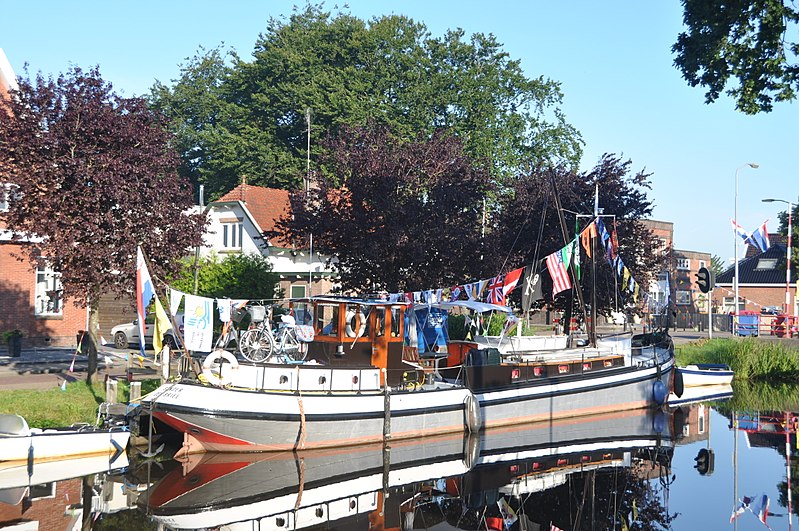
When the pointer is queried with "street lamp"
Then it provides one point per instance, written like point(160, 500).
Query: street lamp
point(788, 305)
point(735, 240)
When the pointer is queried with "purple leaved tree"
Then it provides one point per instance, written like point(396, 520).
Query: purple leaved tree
point(94, 176)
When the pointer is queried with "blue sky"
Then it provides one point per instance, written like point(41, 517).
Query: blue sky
point(613, 60)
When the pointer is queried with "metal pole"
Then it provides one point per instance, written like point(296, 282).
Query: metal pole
point(788, 305)
point(788, 466)
point(710, 315)
point(735, 239)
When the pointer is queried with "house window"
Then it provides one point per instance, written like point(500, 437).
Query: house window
point(683, 263)
point(683, 298)
point(232, 235)
point(297, 291)
point(5, 192)
point(728, 305)
point(48, 292)
point(702, 264)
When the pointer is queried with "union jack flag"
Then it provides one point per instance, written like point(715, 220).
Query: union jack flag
point(495, 293)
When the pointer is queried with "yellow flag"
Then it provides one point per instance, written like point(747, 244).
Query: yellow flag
point(162, 324)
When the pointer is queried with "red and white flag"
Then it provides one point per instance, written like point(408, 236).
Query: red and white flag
point(558, 272)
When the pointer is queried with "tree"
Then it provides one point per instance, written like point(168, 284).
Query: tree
point(747, 42)
point(400, 215)
point(236, 276)
point(95, 177)
point(526, 227)
point(717, 264)
point(341, 71)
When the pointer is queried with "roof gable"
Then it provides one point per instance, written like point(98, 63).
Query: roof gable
point(264, 205)
point(762, 268)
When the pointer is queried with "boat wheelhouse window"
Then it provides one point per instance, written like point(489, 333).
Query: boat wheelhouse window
point(396, 319)
point(356, 321)
point(327, 319)
point(303, 313)
point(380, 321)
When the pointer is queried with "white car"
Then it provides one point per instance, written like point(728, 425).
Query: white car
point(127, 334)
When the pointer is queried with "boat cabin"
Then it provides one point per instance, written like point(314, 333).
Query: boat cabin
point(355, 333)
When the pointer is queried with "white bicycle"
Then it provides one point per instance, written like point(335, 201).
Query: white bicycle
point(261, 344)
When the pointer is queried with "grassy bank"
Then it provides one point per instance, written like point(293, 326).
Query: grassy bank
point(750, 358)
point(54, 407)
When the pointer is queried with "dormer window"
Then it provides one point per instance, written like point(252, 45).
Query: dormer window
point(766, 264)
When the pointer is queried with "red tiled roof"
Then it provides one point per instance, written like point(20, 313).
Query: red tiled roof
point(266, 205)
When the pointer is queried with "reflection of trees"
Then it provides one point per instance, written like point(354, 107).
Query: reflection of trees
point(596, 499)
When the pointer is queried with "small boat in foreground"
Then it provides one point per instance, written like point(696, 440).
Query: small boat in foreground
point(705, 374)
point(20, 443)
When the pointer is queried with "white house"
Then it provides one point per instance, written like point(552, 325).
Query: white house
point(237, 221)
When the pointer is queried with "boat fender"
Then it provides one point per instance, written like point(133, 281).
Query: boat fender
point(351, 323)
point(659, 392)
point(472, 413)
point(219, 379)
point(679, 384)
point(471, 450)
point(659, 422)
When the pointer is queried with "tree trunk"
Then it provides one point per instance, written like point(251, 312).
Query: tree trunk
point(91, 346)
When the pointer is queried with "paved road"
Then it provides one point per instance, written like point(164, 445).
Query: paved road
point(45, 368)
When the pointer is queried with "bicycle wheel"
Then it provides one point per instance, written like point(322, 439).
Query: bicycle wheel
point(256, 345)
point(293, 349)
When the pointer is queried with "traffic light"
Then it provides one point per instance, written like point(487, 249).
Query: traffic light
point(705, 279)
point(705, 462)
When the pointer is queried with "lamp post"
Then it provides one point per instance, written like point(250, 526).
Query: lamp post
point(788, 305)
point(735, 240)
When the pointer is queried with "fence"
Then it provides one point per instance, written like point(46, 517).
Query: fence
point(750, 323)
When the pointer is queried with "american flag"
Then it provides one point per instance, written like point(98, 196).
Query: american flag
point(558, 272)
point(495, 294)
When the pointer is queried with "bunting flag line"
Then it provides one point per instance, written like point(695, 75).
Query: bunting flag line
point(587, 238)
point(532, 287)
point(511, 280)
point(495, 294)
point(144, 294)
point(558, 272)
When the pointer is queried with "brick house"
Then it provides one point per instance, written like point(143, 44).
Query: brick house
point(237, 221)
point(30, 295)
point(762, 281)
point(679, 277)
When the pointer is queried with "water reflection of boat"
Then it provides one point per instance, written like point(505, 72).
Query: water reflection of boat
point(386, 485)
point(17, 480)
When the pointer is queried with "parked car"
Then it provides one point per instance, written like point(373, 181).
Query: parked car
point(127, 334)
point(770, 310)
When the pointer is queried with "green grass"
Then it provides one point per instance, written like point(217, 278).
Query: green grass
point(53, 407)
point(749, 358)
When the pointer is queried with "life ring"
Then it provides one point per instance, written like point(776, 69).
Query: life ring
point(217, 378)
point(350, 319)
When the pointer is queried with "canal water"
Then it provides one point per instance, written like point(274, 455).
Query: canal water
point(682, 468)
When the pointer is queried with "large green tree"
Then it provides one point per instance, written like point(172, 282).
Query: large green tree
point(527, 228)
point(748, 48)
point(94, 176)
point(236, 117)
